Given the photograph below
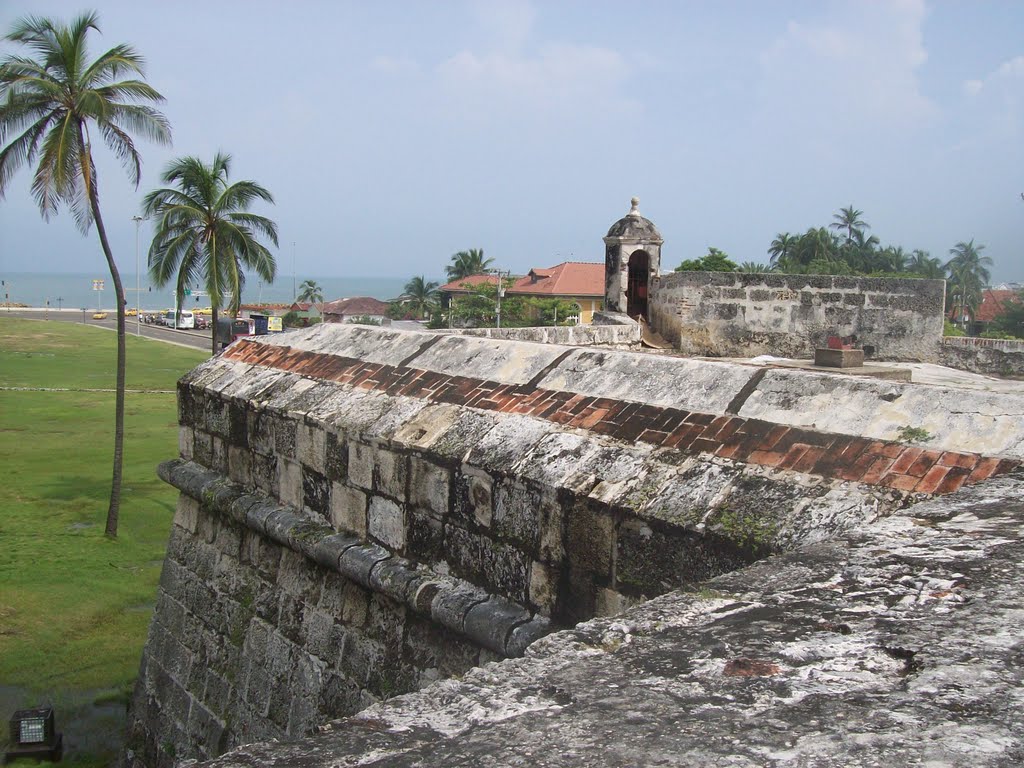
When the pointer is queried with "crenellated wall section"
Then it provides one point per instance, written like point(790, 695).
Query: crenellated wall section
point(365, 511)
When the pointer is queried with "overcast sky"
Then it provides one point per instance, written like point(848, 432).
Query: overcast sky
point(393, 134)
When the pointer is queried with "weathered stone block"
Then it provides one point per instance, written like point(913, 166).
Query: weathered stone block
point(316, 493)
point(590, 535)
point(186, 514)
point(336, 457)
point(290, 474)
point(464, 552)
point(506, 570)
point(360, 465)
point(186, 436)
point(429, 486)
point(472, 496)
point(311, 446)
point(517, 508)
point(284, 435)
point(385, 522)
point(348, 509)
point(543, 587)
point(240, 465)
point(424, 536)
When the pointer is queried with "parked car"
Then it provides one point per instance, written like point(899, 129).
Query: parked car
point(99, 316)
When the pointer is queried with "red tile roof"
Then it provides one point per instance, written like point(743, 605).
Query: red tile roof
point(460, 285)
point(992, 302)
point(358, 305)
point(570, 278)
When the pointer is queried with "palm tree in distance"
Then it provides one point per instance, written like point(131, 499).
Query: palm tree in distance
point(420, 294)
point(312, 293)
point(968, 275)
point(849, 219)
point(48, 105)
point(205, 233)
point(466, 263)
point(782, 248)
point(925, 265)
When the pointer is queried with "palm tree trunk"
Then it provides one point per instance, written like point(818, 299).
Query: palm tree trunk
point(113, 509)
point(213, 329)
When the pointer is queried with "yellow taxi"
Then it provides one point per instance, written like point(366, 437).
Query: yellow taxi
point(99, 316)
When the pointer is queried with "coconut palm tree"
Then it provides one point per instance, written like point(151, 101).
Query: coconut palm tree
point(925, 265)
point(50, 107)
point(466, 263)
point(312, 293)
point(205, 233)
point(968, 275)
point(421, 294)
point(782, 247)
point(849, 219)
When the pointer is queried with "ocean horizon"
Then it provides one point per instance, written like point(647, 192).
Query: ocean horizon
point(75, 290)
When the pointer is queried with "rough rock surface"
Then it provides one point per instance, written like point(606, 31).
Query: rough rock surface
point(899, 645)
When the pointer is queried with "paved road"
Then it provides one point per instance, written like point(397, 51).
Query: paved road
point(196, 339)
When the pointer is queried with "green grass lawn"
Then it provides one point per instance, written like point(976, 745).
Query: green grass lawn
point(75, 605)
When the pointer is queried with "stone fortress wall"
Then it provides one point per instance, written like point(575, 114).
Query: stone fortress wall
point(748, 314)
point(366, 511)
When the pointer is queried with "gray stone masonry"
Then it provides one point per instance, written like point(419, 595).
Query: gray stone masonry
point(896, 645)
point(337, 543)
point(269, 622)
point(725, 314)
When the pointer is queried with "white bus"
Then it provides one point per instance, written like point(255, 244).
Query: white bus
point(185, 319)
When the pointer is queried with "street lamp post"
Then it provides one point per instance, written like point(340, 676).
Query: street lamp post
point(138, 284)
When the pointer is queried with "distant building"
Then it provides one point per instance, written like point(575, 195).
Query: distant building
point(305, 311)
point(578, 282)
point(270, 310)
point(348, 310)
point(993, 305)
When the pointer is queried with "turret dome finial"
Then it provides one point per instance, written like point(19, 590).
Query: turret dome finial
point(634, 206)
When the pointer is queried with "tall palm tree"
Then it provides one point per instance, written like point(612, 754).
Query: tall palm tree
point(421, 294)
point(782, 247)
point(310, 292)
point(925, 265)
point(968, 274)
point(48, 106)
point(204, 231)
point(466, 263)
point(849, 219)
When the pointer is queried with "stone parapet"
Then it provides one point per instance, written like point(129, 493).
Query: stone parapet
point(897, 644)
point(736, 314)
point(433, 595)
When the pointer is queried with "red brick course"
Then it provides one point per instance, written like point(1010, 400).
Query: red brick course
point(844, 457)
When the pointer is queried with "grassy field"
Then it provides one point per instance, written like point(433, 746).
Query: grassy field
point(75, 605)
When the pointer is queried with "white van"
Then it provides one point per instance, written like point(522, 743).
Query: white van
point(185, 319)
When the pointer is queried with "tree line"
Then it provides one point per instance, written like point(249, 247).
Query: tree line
point(844, 247)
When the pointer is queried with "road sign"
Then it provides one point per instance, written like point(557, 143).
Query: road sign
point(97, 285)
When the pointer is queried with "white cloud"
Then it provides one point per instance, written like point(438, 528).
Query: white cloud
point(856, 68)
point(559, 78)
point(394, 65)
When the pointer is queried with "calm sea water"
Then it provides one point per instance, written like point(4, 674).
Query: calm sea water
point(75, 290)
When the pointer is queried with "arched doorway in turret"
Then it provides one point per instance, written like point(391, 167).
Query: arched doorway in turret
point(636, 285)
